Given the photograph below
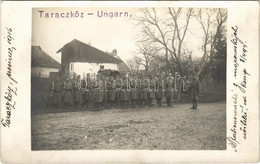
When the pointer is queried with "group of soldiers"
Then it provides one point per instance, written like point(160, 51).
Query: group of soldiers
point(108, 92)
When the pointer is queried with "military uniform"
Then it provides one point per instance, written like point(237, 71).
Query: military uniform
point(105, 92)
point(169, 93)
point(111, 92)
point(67, 85)
point(117, 87)
point(159, 91)
point(195, 91)
point(151, 91)
point(77, 94)
point(57, 92)
point(99, 93)
point(87, 86)
point(133, 92)
point(142, 91)
point(125, 95)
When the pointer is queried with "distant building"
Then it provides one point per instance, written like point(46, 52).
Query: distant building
point(42, 65)
point(80, 58)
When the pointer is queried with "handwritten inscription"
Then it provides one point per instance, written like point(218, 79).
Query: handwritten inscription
point(11, 90)
point(241, 75)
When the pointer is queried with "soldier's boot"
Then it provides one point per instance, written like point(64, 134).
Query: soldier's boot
point(196, 104)
point(125, 104)
point(108, 104)
point(150, 102)
point(75, 104)
point(122, 105)
point(167, 101)
point(170, 105)
point(97, 106)
point(86, 104)
point(128, 104)
point(112, 104)
point(157, 102)
point(193, 105)
point(134, 102)
point(142, 103)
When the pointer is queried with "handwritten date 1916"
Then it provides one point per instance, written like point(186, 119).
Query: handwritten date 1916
point(11, 90)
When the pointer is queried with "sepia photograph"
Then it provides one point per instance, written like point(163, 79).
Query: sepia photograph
point(128, 78)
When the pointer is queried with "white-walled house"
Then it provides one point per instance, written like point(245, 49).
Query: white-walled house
point(92, 68)
point(82, 59)
point(42, 64)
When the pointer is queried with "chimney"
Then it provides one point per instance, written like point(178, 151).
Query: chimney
point(114, 52)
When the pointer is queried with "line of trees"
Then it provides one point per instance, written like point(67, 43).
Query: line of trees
point(163, 46)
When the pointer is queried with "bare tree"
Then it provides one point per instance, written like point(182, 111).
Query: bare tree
point(166, 34)
point(212, 28)
point(145, 53)
point(134, 64)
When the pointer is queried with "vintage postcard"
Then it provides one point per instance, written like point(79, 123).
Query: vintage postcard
point(129, 82)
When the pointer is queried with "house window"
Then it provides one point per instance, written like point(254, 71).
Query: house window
point(102, 67)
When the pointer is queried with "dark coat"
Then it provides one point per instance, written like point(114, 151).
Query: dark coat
point(195, 89)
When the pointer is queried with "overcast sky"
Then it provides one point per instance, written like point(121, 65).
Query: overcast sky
point(104, 33)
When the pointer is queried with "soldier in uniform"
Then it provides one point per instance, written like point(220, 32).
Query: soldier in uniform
point(142, 90)
point(118, 88)
point(195, 91)
point(87, 91)
point(67, 86)
point(57, 89)
point(111, 91)
point(151, 91)
point(99, 92)
point(105, 92)
point(169, 90)
point(77, 92)
point(92, 91)
point(133, 91)
point(159, 91)
point(125, 93)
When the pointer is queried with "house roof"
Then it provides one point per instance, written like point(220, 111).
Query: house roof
point(82, 52)
point(40, 58)
point(123, 66)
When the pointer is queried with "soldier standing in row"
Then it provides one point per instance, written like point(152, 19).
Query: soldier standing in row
point(86, 85)
point(159, 91)
point(105, 92)
point(142, 91)
point(99, 92)
point(169, 90)
point(77, 94)
point(151, 91)
point(57, 90)
point(111, 91)
point(195, 91)
point(118, 87)
point(67, 86)
point(133, 91)
point(125, 93)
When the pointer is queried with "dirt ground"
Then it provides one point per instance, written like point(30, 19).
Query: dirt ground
point(173, 128)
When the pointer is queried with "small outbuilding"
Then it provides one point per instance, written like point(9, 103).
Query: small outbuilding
point(42, 65)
